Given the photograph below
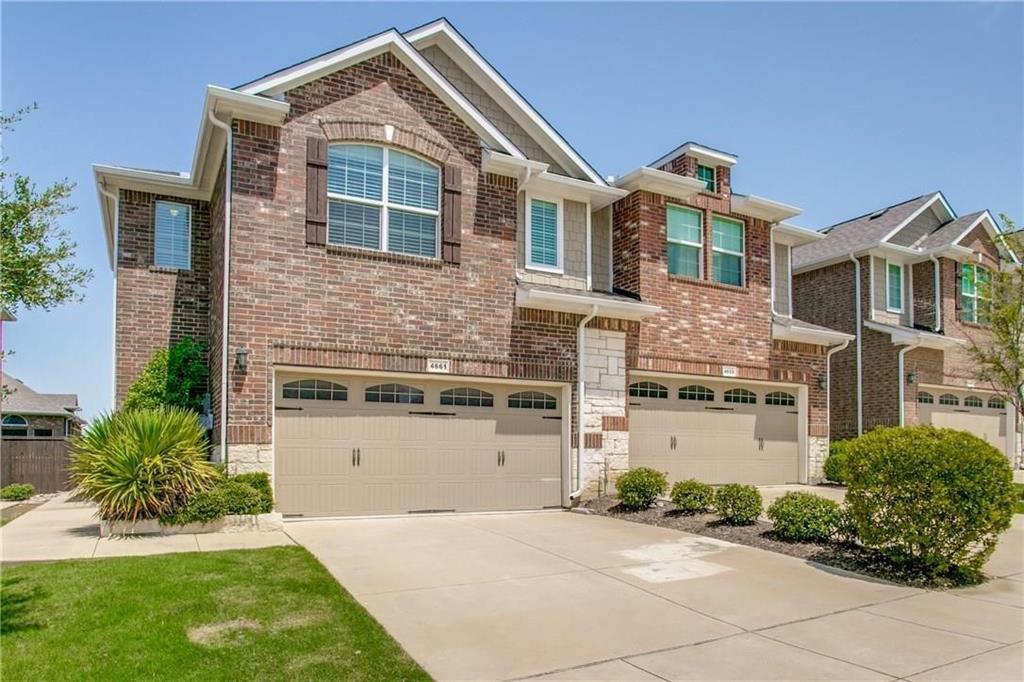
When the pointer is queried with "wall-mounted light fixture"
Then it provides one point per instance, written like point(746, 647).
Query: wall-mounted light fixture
point(242, 359)
point(912, 378)
point(823, 382)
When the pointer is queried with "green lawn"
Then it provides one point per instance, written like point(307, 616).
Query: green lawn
point(243, 615)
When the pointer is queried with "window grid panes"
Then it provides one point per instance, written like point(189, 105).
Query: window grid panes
point(467, 397)
point(648, 389)
point(394, 393)
point(314, 389)
point(532, 400)
point(382, 199)
point(996, 403)
point(696, 392)
point(543, 234)
point(706, 174)
point(14, 426)
point(727, 251)
point(740, 395)
point(925, 398)
point(894, 287)
point(974, 298)
point(172, 235)
point(685, 241)
point(948, 399)
point(973, 401)
point(780, 398)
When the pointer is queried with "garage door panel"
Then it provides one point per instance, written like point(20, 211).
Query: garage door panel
point(985, 422)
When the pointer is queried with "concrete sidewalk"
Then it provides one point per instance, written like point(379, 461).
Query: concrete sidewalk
point(62, 529)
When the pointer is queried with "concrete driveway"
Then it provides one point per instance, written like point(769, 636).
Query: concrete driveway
point(570, 596)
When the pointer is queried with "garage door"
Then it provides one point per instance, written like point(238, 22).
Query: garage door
point(982, 415)
point(379, 445)
point(715, 432)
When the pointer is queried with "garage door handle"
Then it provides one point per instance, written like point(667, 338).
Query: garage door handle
point(359, 457)
point(353, 456)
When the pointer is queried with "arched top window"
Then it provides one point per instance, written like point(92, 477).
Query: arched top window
point(696, 392)
point(740, 395)
point(996, 403)
point(14, 425)
point(647, 389)
point(532, 400)
point(314, 389)
point(383, 199)
point(948, 399)
point(973, 401)
point(467, 397)
point(925, 398)
point(394, 393)
point(780, 398)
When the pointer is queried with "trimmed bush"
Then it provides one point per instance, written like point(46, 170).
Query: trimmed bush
point(17, 492)
point(228, 497)
point(240, 498)
point(260, 481)
point(936, 499)
point(805, 517)
point(692, 496)
point(738, 505)
point(639, 488)
point(846, 531)
point(835, 463)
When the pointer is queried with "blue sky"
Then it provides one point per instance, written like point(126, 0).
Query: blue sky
point(837, 108)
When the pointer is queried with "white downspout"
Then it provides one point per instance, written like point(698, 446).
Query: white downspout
point(899, 364)
point(937, 326)
point(224, 293)
point(580, 394)
point(828, 384)
point(860, 324)
point(113, 337)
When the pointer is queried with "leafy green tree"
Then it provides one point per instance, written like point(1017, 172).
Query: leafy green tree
point(174, 377)
point(148, 390)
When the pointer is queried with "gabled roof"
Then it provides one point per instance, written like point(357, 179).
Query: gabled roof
point(951, 232)
point(22, 399)
point(702, 153)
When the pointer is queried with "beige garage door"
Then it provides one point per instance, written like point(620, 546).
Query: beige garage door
point(982, 415)
point(379, 445)
point(716, 432)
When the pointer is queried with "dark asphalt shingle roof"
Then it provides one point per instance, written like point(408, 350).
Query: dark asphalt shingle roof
point(25, 400)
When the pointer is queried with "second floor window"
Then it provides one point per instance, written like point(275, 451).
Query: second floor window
point(727, 251)
point(706, 174)
point(172, 235)
point(382, 199)
point(544, 235)
point(974, 300)
point(894, 287)
point(685, 241)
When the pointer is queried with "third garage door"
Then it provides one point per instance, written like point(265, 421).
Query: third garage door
point(716, 432)
point(982, 415)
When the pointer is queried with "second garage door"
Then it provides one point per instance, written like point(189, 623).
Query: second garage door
point(378, 445)
point(984, 416)
point(716, 432)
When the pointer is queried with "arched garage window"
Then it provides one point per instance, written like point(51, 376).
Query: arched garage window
point(647, 389)
point(394, 393)
point(466, 396)
point(780, 398)
point(973, 401)
point(948, 399)
point(314, 389)
point(696, 392)
point(925, 398)
point(15, 425)
point(532, 400)
point(740, 395)
point(996, 403)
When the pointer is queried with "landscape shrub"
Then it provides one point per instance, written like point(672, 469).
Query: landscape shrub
point(17, 492)
point(692, 496)
point(173, 377)
point(639, 488)
point(846, 531)
point(139, 464)
point(835, 463)
point(260, 481)
point(737, 504)
point(239, 498)
point(934, 499)
point(148, 390)
point(229, 496)
point(805, 517)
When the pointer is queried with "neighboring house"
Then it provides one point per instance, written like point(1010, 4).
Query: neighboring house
point(29, 414)
point(904, 280)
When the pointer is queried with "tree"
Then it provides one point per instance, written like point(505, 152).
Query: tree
point(174, 377)
point(37, 268)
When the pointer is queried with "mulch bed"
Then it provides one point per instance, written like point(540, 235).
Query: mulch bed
point(845, 556)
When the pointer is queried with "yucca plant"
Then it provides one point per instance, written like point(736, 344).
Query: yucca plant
point(139, 464)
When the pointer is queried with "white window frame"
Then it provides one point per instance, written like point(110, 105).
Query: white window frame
point(384, 204)
point(188, 207)
point(714, 178)
point(699, 247)
point(903, 288)
point(560, 229)
point(742, 254)
point(976, 296)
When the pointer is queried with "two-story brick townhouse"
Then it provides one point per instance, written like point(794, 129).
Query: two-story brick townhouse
point(725, 383)
point(398, 266)
point(904, 280)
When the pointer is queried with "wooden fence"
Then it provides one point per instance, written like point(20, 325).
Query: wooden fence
point(43, 462)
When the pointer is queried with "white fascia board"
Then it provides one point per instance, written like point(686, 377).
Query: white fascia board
point(511, 166)
point(598, 196)
point(389, 41)
point(660, 182)
point(786, 233)
point(765, 209)
point(575, 303)
point(784, 330)
point(442, 33)
point(905, 336)
point(937, 197)
point(994, 234)
point(706, 155)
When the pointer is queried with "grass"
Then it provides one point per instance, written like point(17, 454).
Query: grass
point(268, 614)
point(1018, 502)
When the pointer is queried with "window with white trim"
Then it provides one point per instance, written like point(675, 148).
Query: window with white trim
point(740, 395)
point(172, 235)
point(14, 426)
point(314, 389)
point(647, 389)
point(383, 199)
point(685, 236)
point(393, 393)
point(996, 403)
point(696, 392)
point(706, 174)
point(973, 401)
point(532, 400)
point(894, 287)
point(544, 234)
point(974, 296)
point(780, 398)
point(948, 399)
point(467, 397)
point(925, 398)
point(727, 246)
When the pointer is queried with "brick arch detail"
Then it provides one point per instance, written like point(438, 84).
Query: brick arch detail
point(421, 141)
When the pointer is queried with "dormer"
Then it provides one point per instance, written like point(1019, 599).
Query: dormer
point(710, 166)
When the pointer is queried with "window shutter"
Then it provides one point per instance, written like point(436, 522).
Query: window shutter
point(958, 291)
point(316, 190)
point(451, 216)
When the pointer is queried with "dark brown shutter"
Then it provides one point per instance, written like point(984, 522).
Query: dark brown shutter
point(316, 190)
point(451, 216)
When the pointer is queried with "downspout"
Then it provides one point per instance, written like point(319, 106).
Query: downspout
point(113, 336)
point(860, 324)
point(899, 364)
point(580, 392)
point(828, 384)
point(937, 327)
point(224, 292)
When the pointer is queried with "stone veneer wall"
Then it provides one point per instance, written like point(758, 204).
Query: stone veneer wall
point(817, 452)
point(606, 442)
